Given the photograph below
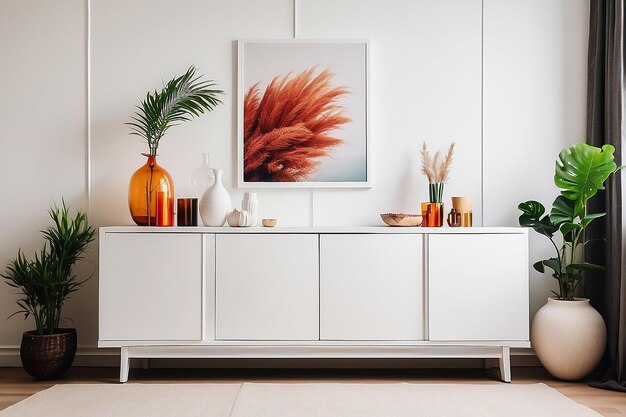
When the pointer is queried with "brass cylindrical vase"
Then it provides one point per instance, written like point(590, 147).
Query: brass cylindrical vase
point(466, 219)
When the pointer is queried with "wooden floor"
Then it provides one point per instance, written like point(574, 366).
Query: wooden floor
point(15, 385)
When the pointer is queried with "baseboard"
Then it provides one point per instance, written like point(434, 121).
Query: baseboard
point(85, 356)
point(90, 356)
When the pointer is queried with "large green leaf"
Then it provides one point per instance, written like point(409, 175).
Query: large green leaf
point(531, 217)
point(589, 217)
point(552, 263)
point(563, 211)
point(569, 230)
point(539, 267)
point(581, 171)
point(531, 213)
point(585, 266)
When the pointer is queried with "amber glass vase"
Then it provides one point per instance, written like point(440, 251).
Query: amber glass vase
point(151, 195)
point(432, 214)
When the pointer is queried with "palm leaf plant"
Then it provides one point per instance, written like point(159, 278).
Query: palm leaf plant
point(581, 171)
point(180, 100)
point(46, 282)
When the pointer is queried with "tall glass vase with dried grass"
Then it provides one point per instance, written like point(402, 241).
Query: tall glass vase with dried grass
point(437, 172)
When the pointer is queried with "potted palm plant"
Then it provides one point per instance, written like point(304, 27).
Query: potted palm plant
point(568, 335)
point(45, 283)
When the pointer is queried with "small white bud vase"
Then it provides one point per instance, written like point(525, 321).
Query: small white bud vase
point(251, 205)
point(215, 203)
point(202, 177)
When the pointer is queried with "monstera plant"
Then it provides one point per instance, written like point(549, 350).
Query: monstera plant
point(568, 334)
point(580, 172)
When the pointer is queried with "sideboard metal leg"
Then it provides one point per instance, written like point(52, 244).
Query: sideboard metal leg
point(124, 365)
point(505, 364)
point(145, 363)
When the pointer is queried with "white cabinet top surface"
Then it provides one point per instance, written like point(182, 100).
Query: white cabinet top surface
point(329, 230)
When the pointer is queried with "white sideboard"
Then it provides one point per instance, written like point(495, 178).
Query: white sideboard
point(364, 292)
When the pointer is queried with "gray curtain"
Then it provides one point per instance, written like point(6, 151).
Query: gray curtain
point(605, 95)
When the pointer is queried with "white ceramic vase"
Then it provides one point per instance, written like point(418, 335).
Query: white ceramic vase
point(569, 337)
point(215, 203)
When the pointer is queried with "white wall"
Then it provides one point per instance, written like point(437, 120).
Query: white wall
point(42, 130)
point(430, 61)
point(535, 76)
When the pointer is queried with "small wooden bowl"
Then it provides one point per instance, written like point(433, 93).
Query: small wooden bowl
point(401, 219)
point(269, 222)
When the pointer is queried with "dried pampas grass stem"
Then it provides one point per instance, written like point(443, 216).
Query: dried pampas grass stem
point(427, 164)
point(444, 168)
point(435, 171)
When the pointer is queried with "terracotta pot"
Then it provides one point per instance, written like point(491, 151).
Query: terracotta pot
point(569, 337)
point(48, 356)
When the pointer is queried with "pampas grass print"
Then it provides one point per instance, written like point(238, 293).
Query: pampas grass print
point(290, 127)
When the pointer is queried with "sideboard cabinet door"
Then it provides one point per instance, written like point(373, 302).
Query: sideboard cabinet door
point(151, 286)
point(478, 287)
point(267, 287)
point(371, 287)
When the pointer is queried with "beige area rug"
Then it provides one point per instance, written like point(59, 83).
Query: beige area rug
point(299, 400)
point(132, 400)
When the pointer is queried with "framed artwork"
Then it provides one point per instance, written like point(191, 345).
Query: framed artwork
point(302, 114)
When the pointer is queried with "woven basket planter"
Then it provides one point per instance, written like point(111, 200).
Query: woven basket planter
point(48, 356)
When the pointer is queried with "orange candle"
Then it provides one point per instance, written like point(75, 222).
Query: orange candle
point(432, 214)
point(164, 209)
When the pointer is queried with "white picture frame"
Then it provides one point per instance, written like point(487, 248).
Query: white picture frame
point(345, 165)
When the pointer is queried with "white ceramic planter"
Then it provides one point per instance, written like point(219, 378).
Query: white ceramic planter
point(215, 203)
point(569, 337)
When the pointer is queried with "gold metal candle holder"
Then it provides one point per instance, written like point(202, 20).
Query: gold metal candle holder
point(466, 219)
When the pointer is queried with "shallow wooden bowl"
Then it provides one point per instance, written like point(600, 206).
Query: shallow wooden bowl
point(401, 219)
point(269, 222)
